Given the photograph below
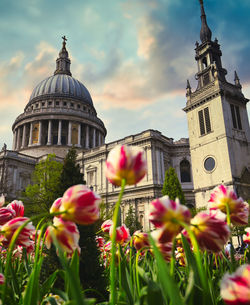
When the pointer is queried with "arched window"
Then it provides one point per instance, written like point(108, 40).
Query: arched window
point(185, 171)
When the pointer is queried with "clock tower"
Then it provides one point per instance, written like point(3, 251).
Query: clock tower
point(219, 132)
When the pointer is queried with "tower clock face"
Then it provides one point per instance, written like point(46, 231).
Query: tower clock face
point(209, 164)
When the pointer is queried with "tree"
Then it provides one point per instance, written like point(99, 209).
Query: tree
point(89, 258)
point(71, 174)
point(172, 186)
point(40, 195)
point(131, 221)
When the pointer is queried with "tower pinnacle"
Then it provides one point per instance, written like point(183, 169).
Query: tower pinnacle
point(205, 33)
point(63, 61)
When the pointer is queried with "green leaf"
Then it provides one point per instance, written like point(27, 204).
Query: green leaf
point(48, 284)
point(169, 287)
point(154, 295)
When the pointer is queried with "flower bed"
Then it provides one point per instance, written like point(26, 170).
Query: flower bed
point(181, 262)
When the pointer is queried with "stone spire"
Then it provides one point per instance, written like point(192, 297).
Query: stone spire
point(205, 33)
point(63, 61)
point(188, 88)
point(237, 80)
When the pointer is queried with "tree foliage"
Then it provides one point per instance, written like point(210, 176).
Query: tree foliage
point(131, 221)
point(172, 186)
point(39, 196)
point(71, 174)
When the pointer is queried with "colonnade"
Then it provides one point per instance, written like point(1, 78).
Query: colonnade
point(57, 132)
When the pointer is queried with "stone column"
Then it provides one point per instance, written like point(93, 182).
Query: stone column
point(24, 136)
point(79, 135)
point(87, 137)
point(18, 138)
point(30, 138)
point(14, 140)
point(40, 133)
point(49, 132)
point(70, 133)
point(59, 139)
point(99, 139)
point(94, 138)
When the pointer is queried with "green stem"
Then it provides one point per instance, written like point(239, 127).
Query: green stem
point(172, 258)
point(113, 247)
point(233, 265)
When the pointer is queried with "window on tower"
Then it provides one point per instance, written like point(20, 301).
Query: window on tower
point(204, 121)
point(235, 111)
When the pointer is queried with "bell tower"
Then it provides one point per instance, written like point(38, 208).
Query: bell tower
point(219, 132)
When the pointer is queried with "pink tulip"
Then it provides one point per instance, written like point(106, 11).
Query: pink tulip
point(66, 234)
point(223, 196)
point(235, 287)
point(122, 234)
point(100, 241)
point(9, 228)
point(80, 205)
point(17, 206)
point(56, 206)
point(211, 230)
point(6, 214)
point(106, 225)
point(166, 214)
point(246, 237)
point(2, 279)
point(140, 240)
point(126, 162)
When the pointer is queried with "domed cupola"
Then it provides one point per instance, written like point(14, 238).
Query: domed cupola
point(60, 113)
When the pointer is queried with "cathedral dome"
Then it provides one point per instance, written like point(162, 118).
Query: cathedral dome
point(61, 85)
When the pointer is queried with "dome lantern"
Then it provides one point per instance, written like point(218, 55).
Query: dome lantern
point(63, 61)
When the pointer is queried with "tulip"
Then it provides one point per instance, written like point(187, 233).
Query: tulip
point(100, 241)
point(9, 228)
point(80, 205)
point(1, 279)
point(17, 206)
point(122, 234)
point(210, 230)
point(235, 287)
point(222, 197)
point(140, 240)
point(6, 214)
point(246, 237)
point(106, 225)
point(56, 206)
point(66, 234)
point(164, 247)
point(166, 214)
point(125, 162)
point(180, 256)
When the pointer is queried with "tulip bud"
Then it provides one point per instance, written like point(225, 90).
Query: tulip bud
point(66, 234)
point(126, 162)
point(17, 206)
point(235, 287)
point(80, 205)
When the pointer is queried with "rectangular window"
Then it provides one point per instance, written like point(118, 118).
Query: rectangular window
point(207, 119)
point(238, 117)
point(235, 111)
point(204, 121)
point(201, 120)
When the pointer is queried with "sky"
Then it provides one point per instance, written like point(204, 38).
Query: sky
point(134, 56)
